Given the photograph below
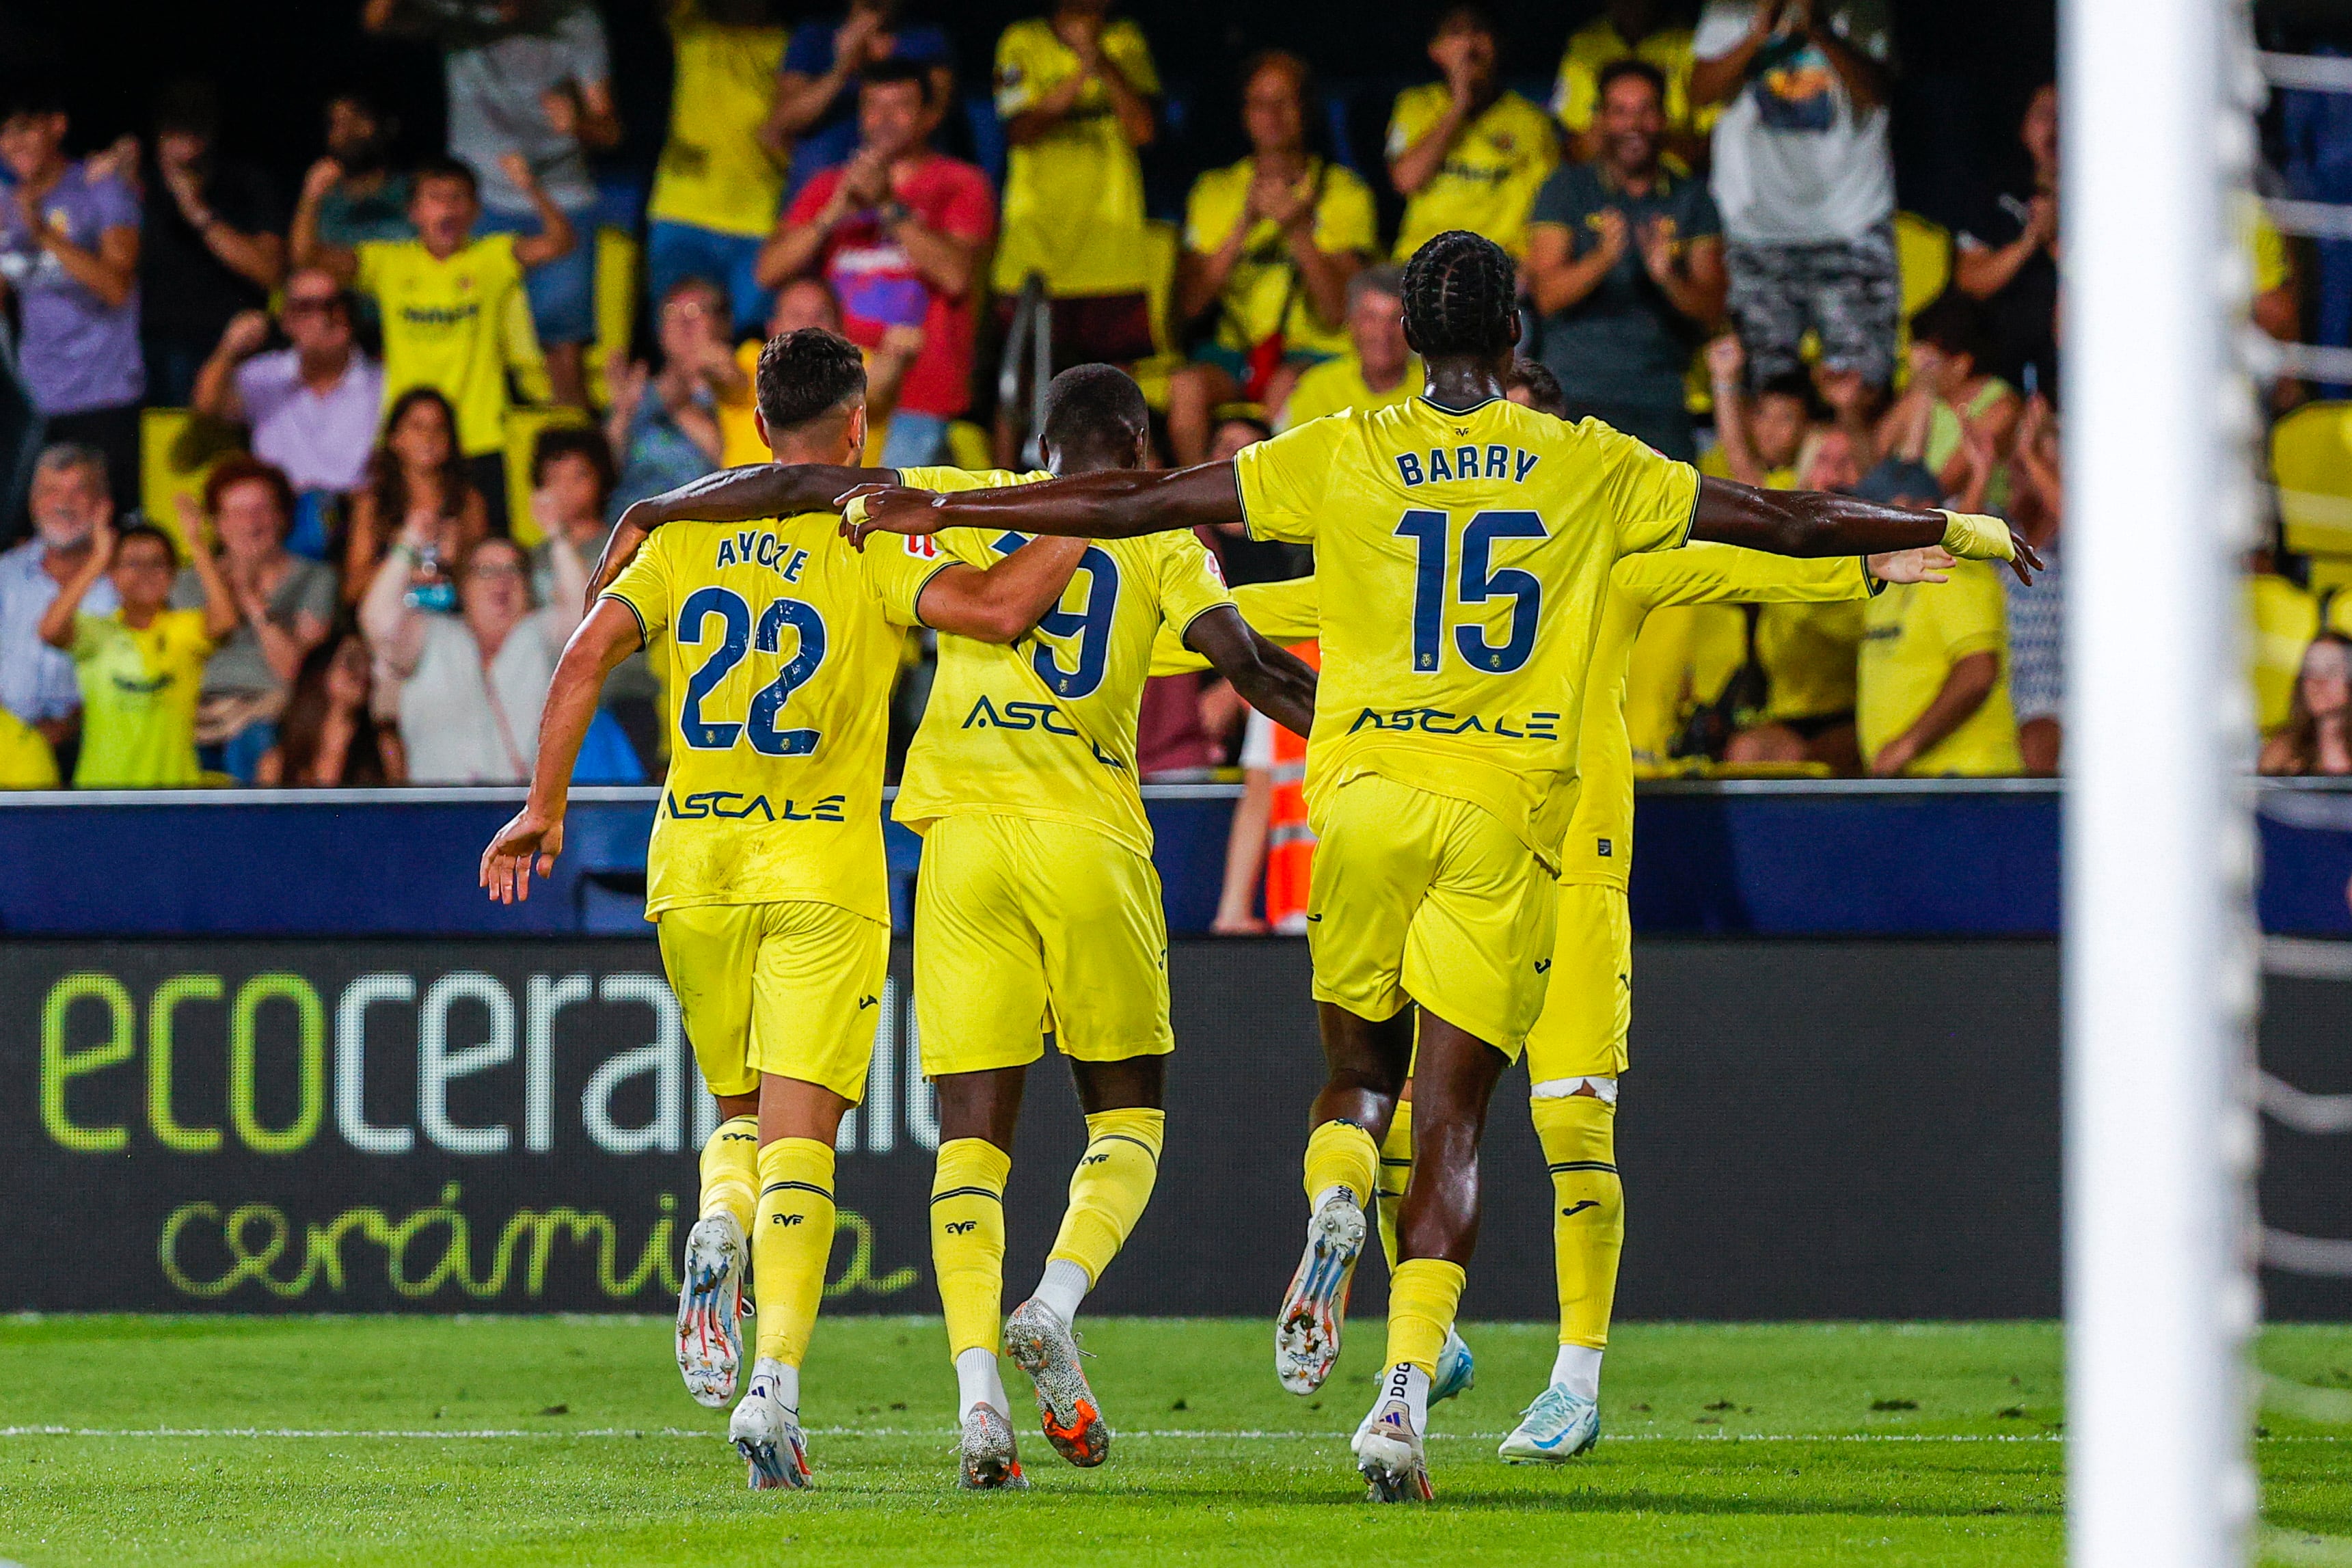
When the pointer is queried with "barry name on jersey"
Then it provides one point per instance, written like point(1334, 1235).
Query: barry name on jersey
point(1466, 462)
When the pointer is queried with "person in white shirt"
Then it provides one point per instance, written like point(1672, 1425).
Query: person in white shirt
point(471, 684)
point(70, 499)
point(1804, 178)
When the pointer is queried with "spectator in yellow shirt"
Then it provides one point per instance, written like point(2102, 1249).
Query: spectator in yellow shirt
point(26, 759)
point(1630, 30)
point(141, 667)
point(721, 178)
point(1378, 368)
point(455, 317)
point(1269, 245)
point(1466, 152)
point(1075, 90)
point(1933, 685)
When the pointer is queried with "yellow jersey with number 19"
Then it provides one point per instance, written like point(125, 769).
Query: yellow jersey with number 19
point(1044, 727)
point(778, 646)
point(1463, 557)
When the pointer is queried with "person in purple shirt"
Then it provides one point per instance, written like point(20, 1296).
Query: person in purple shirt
point(816, 88)
point(69, 252)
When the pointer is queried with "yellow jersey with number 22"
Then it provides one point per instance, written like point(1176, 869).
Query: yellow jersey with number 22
point(1463, 557)
point(778, 646)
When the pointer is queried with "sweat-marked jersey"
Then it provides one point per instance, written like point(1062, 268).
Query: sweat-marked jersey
point(1463, 557)
point(778, 646)
point(1045, 727)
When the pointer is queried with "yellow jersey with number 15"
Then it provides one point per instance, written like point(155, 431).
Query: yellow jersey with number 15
point(778, 646)
point(1463, 557)
point(1044, 727)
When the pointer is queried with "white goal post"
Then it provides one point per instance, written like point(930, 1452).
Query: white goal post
point(2159, 958)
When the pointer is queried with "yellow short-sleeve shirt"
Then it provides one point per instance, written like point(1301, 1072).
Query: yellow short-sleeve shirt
point(1261, 292)
point(1912, 636)
point(1491, 175)
point(455, 324)
point(1074, 197)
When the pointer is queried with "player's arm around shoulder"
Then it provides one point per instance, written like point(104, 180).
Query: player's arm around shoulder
point(997, 604)
point(613, 629)
point(728, 495)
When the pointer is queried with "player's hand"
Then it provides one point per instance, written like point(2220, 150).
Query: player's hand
point(528, 835)
point(621, 547)
point(887, 508)
point(1932, 564)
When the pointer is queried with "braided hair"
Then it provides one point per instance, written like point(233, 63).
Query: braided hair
point(1460, 296)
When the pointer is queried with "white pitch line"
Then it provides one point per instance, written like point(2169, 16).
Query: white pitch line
point(945, 1434)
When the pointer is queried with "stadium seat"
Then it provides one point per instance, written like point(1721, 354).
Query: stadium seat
point(619, 275)
point(523, 426)
point(2311, 462)
point(176, 451)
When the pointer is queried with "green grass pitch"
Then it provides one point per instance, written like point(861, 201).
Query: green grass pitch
point(555, 1440)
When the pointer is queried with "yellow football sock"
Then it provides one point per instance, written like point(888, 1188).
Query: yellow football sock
point(1396, 1171)
point(968, 1241)
point(1588, 1225)
point(792, 1240)
point(1342, 1154)
point(1110, 1188)
point(1424, 1295)
point(730, 1171)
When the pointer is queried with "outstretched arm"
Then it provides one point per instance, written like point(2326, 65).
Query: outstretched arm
point(1272, 680)
point(1117, 504)
point(1809, 522)
point(728, 495)
point(1002, 604)
point(535, 834)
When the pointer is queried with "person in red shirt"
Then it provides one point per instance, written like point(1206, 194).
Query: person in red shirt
point(900, 232)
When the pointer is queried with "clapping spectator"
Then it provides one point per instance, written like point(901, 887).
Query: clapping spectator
point(139, 668)
point(2318, 734)
point(530, 96)
point(2037, 620)
point(722, 175)
point(1465, 151)
point(813, 124)
point(329, 737)
point(1956, 414)
point(69, 253)
point(1933, 684)
point(311, 406)
point(664, 423)
point(469, 685)
point(1378, 368)
point(416, 481)
point(1804, 178)
point(900, 232)
point(1645, 30)
point(452, 305)
point(1625, 265)
point(69, 504)
point(366, 199)
point(1075, 92)
point(285, 602)
point(214, 245)
point(1270, 243)
point(570, 500)
point(2008, 259)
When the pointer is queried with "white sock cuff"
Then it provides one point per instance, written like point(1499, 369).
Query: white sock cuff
point(1063, 1287)
point(1603, 1089)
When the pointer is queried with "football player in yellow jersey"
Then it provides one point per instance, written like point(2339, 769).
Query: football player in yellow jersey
point(1037, 908)
point(765, 872)
point(1464, 545)
point(1577, 1048)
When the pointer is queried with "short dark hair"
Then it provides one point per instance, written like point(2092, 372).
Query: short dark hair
point(808, 373)
point(583, 441)
point(1302, 73)
point(1463, 14)
point(1954, 323)
point(443, 167)
point(1461, 295)
point(131, 531)
point(1544, 393)
point(1793, 383)
point(891, 72)
point(1616, 71)
point(238, 469)
point(1094, 406)
point(30, 92)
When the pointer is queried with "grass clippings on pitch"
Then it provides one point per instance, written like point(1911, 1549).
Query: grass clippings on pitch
point(515, 1441)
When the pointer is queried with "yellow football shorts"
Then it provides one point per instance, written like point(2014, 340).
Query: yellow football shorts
point(792, 989)
point(1024, 927)
point(1424, 898)
point(1588, 1009)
